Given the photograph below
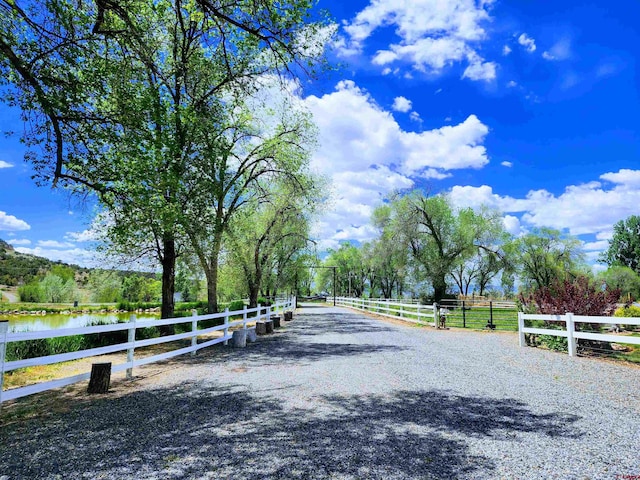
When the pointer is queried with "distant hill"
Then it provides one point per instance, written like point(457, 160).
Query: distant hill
point(18, 268)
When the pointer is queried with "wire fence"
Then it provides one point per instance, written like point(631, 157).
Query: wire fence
point(480, 314)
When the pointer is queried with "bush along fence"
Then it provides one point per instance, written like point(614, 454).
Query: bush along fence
point(196, 326)
point(483, 314)
point(579, 334)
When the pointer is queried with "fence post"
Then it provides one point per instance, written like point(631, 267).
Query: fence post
point(132, 340)
point(418, 312)
point(571, 340)
point(226, 324)
point(521, 329)
point(244, 317)
point(464, 316)
point(4, 328)
point(401, 312)
point(194, 328)
point(436, 314)
point(490, 325)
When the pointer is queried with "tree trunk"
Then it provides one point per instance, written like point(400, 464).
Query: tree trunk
point(211, 274)
point(439, 288)
point(168, 277)
point(253, 295)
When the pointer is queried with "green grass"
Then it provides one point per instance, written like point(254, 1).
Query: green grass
point(55, 307)
point(475, 318)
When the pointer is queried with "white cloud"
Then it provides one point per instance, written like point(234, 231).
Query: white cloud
point(480, 70)
point(19, 241)
point(435, 174)
point(54, 244)
point(506, 164)
point(527, 42)
point(401, 104)
point(512, 225)
point(512, 84)
point(415, 116)
point(432, 34)
point(77, 256)
point(561, 50)
point(585, 209)
point(598, 246)
point(506, 50)
point(4, 164)
point(88, 235)
point(624, 176)
point(9, 223)
point(368, 155)
point(449, 147)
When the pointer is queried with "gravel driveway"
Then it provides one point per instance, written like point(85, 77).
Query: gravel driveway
point(335, 394)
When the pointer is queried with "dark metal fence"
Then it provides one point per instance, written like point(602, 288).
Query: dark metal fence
point(480, 314)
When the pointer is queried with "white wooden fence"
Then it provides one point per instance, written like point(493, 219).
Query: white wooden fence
point(129, 346)
point(570, 321)
point(391, 308)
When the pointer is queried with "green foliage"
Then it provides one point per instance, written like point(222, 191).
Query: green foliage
point(438, 236)
point(133, 306)
point(44, 347)
point(627, 311)
point(624, 279)
point(624, 246)
point(263, 302)
point(19, 268)
point(57, 290)
point(105, 286)
point(31, 293)
point(545, 256)
point(236, 305)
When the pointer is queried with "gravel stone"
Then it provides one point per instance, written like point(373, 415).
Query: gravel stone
point(340, 395)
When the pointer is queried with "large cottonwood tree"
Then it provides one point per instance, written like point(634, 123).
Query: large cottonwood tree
point(117, 94)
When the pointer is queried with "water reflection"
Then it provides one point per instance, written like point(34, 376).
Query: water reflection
point(22, 323)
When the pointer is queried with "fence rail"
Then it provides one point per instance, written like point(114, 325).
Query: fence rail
point(409, 312)
point(455, 313)
point(571, 333)
point(130, 346)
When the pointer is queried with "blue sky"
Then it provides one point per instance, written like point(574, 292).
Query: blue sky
point(529, 107)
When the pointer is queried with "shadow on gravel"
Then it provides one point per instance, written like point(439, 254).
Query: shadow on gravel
point(276, 350)
point(196, 432)
point(341, 323)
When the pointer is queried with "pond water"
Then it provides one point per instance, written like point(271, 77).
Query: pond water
point(22, 323)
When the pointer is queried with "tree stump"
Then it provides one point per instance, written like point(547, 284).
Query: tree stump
point(269, 325)
point(239, 339)
point(100, 378)
point(276, 321)
point(251, 335)
point(288, 316)
point(261, 328)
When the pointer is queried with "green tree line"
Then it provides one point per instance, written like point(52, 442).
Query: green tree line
point(427, 248)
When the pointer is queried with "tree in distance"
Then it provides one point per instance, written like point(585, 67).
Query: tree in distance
point(624, 246)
